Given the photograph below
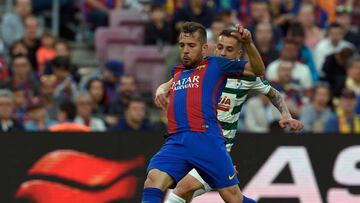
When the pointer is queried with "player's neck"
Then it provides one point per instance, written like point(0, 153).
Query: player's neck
point(194, 64)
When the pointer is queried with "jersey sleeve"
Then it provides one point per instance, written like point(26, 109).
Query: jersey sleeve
point(261, 86)
point(175, 69)
point(231, 66)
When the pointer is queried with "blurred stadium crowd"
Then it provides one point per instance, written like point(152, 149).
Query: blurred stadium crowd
point(100, 70)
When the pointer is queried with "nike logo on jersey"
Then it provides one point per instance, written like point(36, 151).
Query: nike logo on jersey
point(232, 177)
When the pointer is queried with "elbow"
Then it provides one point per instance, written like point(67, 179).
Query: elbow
point(260, 72)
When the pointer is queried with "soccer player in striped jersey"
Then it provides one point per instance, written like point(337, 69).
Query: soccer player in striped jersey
point(195, 136)
point(231, 101)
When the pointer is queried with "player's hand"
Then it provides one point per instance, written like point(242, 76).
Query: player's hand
point(293, 124)
point(162, 98)
point(242, 34)
point(236, 170)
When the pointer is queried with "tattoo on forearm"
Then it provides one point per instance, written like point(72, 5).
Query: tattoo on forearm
point(277, 100)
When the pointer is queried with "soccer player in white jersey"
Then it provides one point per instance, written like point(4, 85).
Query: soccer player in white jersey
point(229, 107)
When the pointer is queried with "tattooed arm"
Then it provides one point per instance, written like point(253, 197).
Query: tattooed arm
point(286, 119)
point(277, 100)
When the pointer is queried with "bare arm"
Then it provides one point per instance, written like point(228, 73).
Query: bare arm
point(162, 94)
point(277, 100)
point(256, 64)
point(286, 118)
point(255, 61)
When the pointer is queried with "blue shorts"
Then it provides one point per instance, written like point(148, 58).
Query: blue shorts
point(206, 152)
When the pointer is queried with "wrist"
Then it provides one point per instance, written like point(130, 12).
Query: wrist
point(247, 43)
point(160, 90)
point(286, 115)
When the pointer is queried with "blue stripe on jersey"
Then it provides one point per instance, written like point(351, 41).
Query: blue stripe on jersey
point(210, 81)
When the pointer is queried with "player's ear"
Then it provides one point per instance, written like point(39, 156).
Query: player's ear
point(205, 47)
point(239, 54)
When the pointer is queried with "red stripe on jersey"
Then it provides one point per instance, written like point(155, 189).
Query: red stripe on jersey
point(214, 97)
point(172, 125)
point(194, 99)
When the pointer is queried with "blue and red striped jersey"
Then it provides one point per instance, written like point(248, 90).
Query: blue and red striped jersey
point(195, 93)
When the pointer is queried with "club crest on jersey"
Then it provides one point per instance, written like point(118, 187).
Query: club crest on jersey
point(200, 67)
point(184, 83)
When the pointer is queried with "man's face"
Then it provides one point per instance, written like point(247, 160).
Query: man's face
point(47, 86)
point(127, 85)
point(37, 114)
point(62, 50)
point(259, 11)
point(96, 90)
point(348, 104)
point(191, 49)
point(21, 67)
point(23, 7)
point(344, 20)
point(157, 15)
point(19, 98)
point(31, 26)
point(84, 106)
point(354, 72)
point(263, 33)
point(136, 111)
point(228, 47)
point(290, 51)
point(6, 107)
point(306, 16)
point(336, 35)
point(61, 73)
point(284, 71)
point(322, 96)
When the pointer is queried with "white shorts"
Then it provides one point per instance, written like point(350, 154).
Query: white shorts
point(197, 176)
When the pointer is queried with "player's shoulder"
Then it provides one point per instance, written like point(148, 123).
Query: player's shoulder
point(251, 78)
point(176, 68)
point(218, 58)
point(254, 80)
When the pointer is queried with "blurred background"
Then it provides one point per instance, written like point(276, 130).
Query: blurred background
point(93, 66)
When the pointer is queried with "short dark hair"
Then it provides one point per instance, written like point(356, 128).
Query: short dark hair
point(296, 29)
point(61, 62)
point(64, 42)
point(69, 108)
point(48, 34)
point(155, 7)
point(16, 43)
point(259, 2)
point(192, 27)
point(290, 41)
point(335, 25)
point(136, 98)
point(227, 33)
point(19, 56)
